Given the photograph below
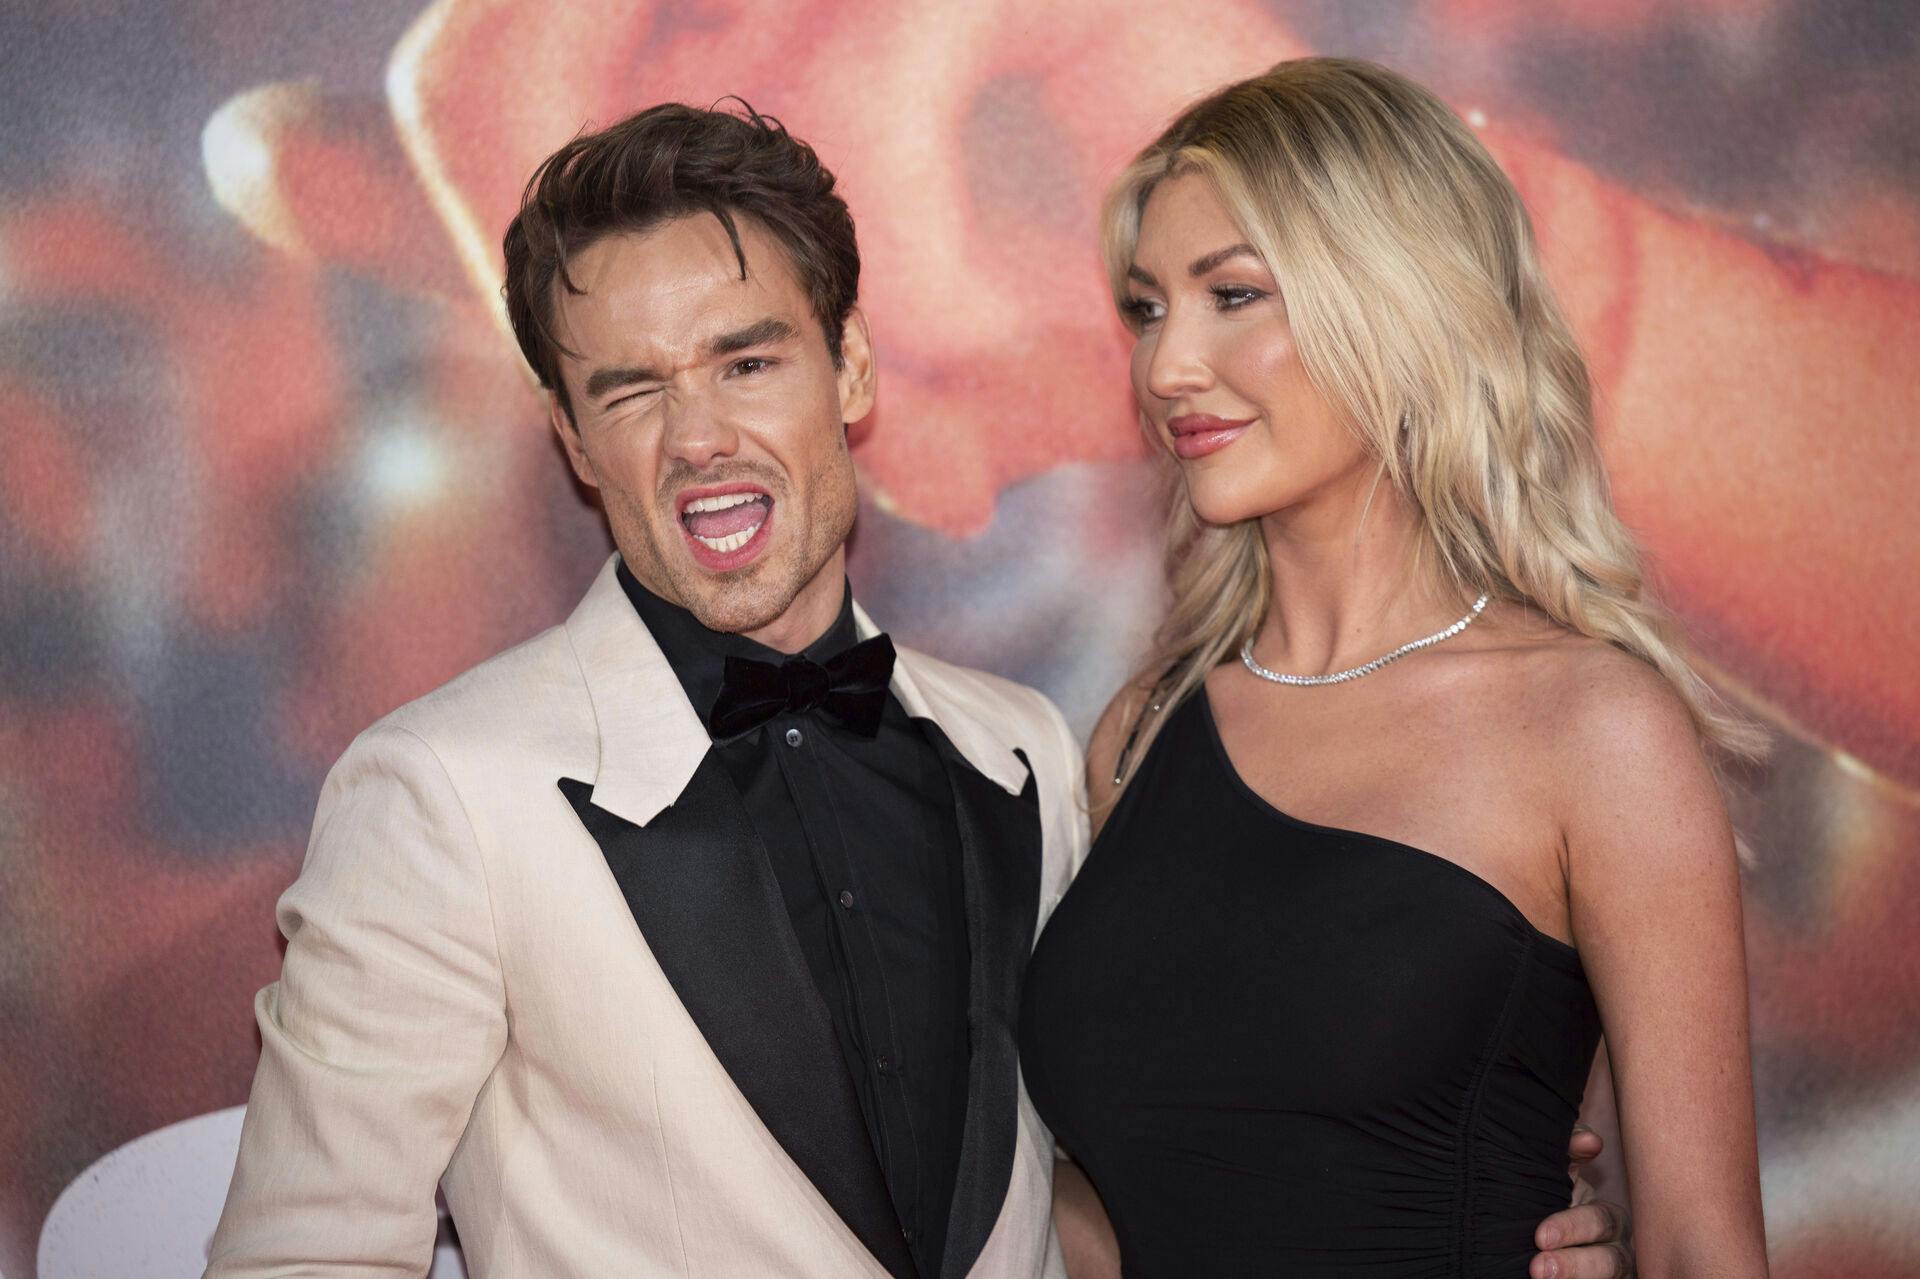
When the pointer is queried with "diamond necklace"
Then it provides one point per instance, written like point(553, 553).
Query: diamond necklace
point(1355, 672)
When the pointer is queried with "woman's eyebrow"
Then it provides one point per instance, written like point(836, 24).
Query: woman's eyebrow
point(1202, 265)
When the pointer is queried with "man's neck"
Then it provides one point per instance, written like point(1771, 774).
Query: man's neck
point(812, 612)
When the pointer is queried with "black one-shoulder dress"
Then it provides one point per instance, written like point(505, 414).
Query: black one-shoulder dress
point(1286, 1049)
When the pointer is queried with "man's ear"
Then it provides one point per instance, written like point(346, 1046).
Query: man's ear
point(856, 377)
point(569, 433)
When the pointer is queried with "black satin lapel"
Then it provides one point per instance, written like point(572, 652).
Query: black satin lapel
point(704, 895)
point(1000, 858)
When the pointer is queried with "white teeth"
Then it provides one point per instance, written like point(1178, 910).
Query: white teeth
point(722, 503)
point(731, 542)
point(725, 502)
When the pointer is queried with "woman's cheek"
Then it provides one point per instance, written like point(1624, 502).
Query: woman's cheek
point(1262, 363)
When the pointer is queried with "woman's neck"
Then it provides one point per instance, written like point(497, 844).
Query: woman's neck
point(1347, 583)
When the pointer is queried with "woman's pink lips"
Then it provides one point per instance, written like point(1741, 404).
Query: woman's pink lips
point(1198, 434)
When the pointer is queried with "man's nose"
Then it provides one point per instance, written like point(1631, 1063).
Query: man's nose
point(1177, 364)
point(698, 434)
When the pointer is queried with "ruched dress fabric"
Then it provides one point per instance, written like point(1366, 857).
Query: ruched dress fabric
point(1285, 1049)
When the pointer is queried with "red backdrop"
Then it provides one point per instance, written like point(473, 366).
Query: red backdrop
point(269, 465)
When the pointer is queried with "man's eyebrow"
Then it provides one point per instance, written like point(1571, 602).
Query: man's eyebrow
point(1202, 265)
point(760, 333)
point(612, 379)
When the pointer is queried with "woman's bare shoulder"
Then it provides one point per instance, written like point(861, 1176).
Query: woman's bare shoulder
point(1629, 771)
point(1614, 706)
point(1590, 717)
point(1596, 696)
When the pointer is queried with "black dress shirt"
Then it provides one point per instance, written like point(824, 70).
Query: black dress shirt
point(863, 841)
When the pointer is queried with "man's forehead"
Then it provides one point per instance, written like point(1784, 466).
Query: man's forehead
point(675, 286)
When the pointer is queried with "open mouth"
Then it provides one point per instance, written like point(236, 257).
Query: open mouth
point(726, 529)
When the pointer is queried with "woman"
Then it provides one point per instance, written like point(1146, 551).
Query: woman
point(1412, 803)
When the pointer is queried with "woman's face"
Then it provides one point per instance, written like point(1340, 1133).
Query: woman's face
point(1216, 371)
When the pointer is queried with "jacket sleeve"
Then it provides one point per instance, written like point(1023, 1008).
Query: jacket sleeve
point(389, 1015)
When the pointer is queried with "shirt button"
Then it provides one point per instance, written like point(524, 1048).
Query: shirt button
point(884, 1064)
point(794, 737)
point(912, 1236)
point(846, 898)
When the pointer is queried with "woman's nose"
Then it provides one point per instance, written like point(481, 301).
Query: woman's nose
point(1177, 363)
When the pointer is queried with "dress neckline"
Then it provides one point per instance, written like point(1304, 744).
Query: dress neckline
point(1240, 784)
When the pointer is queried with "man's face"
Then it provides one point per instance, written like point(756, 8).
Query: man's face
point(710, 416)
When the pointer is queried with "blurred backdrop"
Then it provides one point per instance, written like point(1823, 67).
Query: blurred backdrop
point(269, 465)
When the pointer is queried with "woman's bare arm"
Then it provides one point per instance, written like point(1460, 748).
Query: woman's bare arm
point(1655, 894)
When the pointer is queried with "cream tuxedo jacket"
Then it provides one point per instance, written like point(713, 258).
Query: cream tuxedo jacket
point(536, 956)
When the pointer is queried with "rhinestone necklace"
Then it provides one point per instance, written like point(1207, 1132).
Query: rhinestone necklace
point(1355, 672)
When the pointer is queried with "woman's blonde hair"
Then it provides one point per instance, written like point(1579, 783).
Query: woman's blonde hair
point(1408, 270)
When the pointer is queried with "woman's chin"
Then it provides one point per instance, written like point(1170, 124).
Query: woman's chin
point(1230, 508)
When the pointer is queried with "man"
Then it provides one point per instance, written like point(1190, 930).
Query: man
point(685, 938)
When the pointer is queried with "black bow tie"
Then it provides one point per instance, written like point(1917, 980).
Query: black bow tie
point(851, 687)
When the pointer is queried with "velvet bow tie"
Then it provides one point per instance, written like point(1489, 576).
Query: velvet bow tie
point(851, 687)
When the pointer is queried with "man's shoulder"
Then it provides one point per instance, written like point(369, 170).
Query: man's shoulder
point(993, 698)
point(513, 701)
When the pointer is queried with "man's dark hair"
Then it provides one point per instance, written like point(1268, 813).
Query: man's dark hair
point(665, 162)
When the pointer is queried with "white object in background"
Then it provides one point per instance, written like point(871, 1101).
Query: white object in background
point(148, 1209)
